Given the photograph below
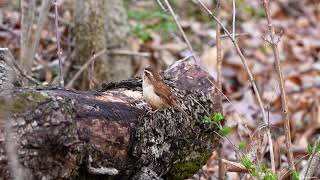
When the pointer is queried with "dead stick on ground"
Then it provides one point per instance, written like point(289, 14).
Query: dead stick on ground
point(251, 79)
point(59, 50)
point(274, 45)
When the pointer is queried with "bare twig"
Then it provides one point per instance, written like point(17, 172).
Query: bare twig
point(181, 30)
point(59, 50)
point(128, 53)
point(219, 84)
point(237, 34)
point(161, 5)
point(233, 19)
point(85, 66)
point(219, 54)
point(251, 79)
point(274, 45)
point(91, 74)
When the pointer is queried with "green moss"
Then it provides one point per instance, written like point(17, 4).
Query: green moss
point(2, 109)
point(26, 100)
point(189, 167)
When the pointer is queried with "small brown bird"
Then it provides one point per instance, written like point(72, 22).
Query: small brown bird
point(155, 92)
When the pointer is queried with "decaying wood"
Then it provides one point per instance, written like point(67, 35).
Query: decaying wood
point(75, 134)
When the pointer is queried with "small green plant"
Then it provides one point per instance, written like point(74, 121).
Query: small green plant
point(295, 175)
point(318, 147)
point(309, 149)
point(216, 119)
point(241, 145)
point(255, 171)
point(225, 130)
point(138, 31)
point(55, 71)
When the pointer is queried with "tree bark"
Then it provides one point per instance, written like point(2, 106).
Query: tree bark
point(61, 133)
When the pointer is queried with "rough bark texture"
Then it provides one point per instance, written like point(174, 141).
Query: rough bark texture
point(101, 25)
point(8, 74)
point(90, 135)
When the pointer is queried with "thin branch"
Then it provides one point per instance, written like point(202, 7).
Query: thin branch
point(59, 50)
point(219, 84)
point(91, 74)
point(251, 79)
point(237, 34)
point(233, 19)
point(219, 54)
point(85, 66)
point(274, 45)
point(128, 53)
point(161, 5)
point(181, 30)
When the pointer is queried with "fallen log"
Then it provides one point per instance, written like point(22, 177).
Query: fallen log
point(62, 133)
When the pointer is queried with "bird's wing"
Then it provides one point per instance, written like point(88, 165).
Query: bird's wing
point(164, 92)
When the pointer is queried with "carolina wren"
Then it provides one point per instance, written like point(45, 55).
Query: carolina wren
point(155, 92)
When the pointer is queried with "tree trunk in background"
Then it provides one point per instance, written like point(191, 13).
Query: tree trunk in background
point(101, 25)
point(117, 30)
point(90, 36)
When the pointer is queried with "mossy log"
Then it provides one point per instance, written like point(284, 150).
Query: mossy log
point(63, 133)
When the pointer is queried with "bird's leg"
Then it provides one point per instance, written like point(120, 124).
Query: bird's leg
point(152, 111)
